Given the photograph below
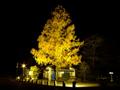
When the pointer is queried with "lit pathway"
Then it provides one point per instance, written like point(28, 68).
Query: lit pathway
point(67, 84)
point(78, 84)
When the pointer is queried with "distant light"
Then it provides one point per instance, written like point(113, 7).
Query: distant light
point(23, 65)
point(111, 73)
point(18, 77)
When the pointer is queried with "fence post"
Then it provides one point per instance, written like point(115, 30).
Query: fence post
point(74, 83)
point(63, 84)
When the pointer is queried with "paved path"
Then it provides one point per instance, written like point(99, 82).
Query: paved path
point(60, 84)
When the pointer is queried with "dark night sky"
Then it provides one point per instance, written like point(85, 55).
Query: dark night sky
point(21, 23)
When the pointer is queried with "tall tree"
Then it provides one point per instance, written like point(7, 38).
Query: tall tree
point(91, 58)
point(89, 50)
point(57, 43)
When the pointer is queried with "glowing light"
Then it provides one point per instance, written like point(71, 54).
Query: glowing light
point(111, 73)
point(78, 84)
point(18, 77)
point(87, 85)
point(23, 65)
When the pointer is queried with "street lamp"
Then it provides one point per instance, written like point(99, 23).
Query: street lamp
point(23, 66)
point(111, 76)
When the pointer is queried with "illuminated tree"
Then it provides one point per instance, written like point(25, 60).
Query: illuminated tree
point(34, 72)
point(57, 44)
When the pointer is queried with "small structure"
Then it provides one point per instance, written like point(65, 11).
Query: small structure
point(48, 73)
point(60, 74)
point(66, 74)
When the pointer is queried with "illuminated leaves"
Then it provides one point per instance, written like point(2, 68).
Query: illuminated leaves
point(34, 72)
point(57, 44)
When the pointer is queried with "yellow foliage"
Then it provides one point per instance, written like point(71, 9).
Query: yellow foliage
point(57, 44)
point(34, 72)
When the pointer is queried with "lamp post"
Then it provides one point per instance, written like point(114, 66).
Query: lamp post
point(23, 67)
point(111, 76)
